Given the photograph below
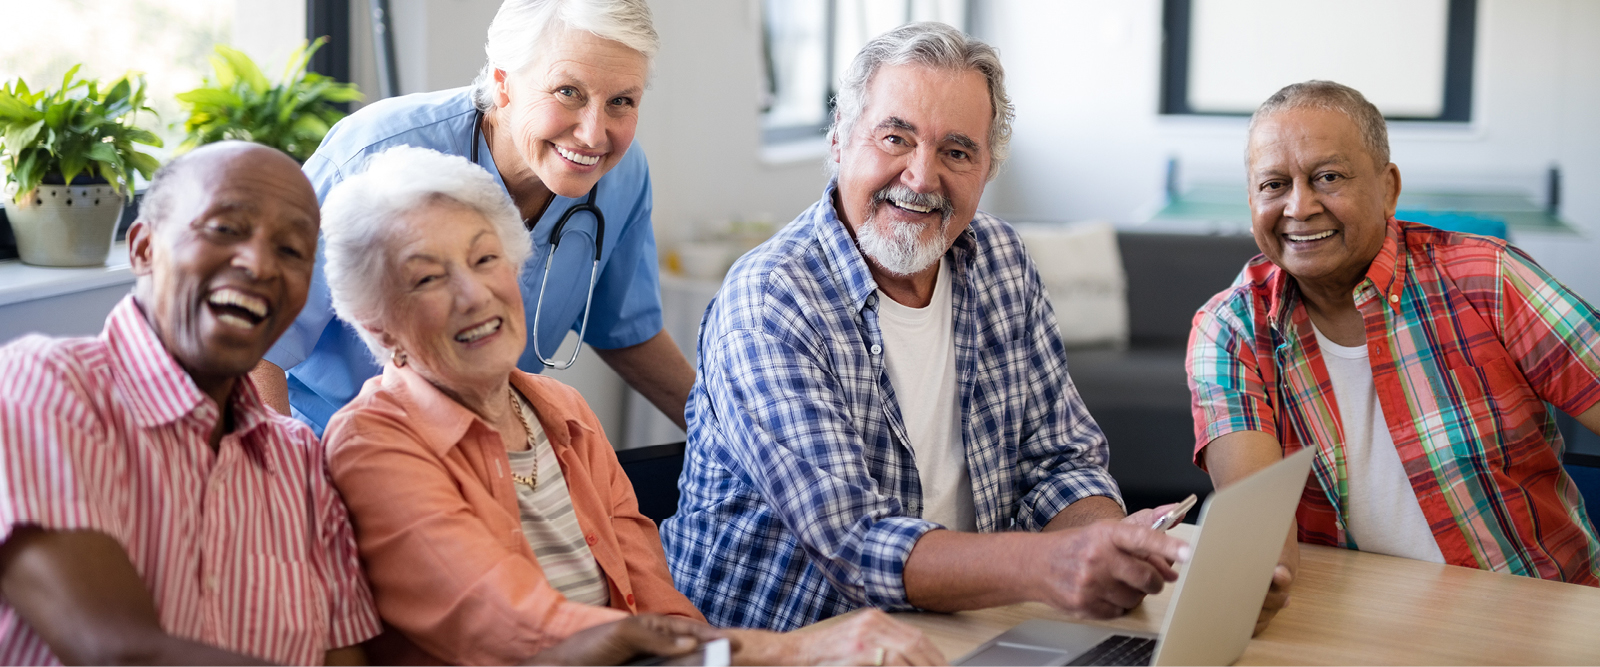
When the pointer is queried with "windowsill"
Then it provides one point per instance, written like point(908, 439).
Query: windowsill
point(794, 152)
point(23, 282)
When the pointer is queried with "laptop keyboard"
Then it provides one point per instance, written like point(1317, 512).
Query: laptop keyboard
point(1119, 650)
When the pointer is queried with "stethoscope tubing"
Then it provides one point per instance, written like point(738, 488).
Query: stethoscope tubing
point(555, 240)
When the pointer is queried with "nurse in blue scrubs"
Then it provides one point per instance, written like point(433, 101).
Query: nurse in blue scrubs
point(552, 117)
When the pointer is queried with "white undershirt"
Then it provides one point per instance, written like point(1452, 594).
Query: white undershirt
point(1383, 515)
point(919, 353)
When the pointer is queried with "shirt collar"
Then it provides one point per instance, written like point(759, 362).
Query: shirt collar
point(156, 387)
point(1381, 277)
point(839, 248)
point(158, 390)
point(443, 423)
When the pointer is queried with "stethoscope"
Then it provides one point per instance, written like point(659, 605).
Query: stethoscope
point(555, 239)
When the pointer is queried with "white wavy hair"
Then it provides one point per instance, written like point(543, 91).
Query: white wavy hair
point(929, 44)
point(521, 27)
point(362, 212)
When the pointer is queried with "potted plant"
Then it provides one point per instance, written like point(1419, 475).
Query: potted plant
point(70, 158)
point(240, 103)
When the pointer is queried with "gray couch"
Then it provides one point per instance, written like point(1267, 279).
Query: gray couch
point(1140, 395)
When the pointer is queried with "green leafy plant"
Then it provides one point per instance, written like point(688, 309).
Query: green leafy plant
point(239, 103)
point(75, 129)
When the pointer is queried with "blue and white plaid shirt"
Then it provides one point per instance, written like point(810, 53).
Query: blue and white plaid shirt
point(800, 495)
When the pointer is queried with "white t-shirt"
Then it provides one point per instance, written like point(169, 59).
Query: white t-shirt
point(919, 353)
point(1383, 514)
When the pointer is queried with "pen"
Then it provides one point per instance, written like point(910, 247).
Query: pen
point(1174, 515)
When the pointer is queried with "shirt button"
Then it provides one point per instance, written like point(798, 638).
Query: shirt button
point(877, 349)
point(1394, 298)
point(630, 599)
point(211, 583)
point(591, 539)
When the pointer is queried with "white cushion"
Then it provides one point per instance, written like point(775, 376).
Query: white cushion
point(1082, 271)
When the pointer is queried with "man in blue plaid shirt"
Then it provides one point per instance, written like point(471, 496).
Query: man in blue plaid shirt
point(882, 415)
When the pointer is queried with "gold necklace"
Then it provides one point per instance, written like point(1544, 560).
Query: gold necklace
point(530, 481)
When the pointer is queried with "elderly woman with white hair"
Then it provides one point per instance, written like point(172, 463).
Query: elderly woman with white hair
point(491, 514)
point(552, 118)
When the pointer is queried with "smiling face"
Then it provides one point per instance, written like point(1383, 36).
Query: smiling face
point(913, 168)
point(572, 112)
point(452, 302)
point(225, 269)
point(1319, 203)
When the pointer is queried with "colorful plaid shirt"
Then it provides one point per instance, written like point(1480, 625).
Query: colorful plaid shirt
point(800, 496)
point(1468, 338)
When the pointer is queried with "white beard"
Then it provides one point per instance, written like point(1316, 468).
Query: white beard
point(897, 247)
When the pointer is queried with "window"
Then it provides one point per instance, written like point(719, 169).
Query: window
point(807, 44)
point(1411, 58)
point(169, 41)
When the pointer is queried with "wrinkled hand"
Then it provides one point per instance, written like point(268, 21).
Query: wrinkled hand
point(863, 637)
point(1104, 569)
point(1278, 593)
point(628, 639)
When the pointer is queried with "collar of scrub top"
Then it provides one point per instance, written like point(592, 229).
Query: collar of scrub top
point(555, 239)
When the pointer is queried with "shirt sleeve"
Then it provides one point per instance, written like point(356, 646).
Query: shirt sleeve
point(352, 616)
point(438, 573)
point(1551, 333)
point(785, 424)
point(1062, 457)
point(627, 295)
point(1226, 390)
point(47, 424)
point(301, 337)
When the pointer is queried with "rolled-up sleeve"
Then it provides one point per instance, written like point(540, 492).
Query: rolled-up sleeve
point(1227, 391)
point(1063, 455)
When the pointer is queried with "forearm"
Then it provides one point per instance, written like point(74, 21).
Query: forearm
point(1085, 512)
point(1235, 456)
point(953, 571)
point(658, 371)
point(272, 384)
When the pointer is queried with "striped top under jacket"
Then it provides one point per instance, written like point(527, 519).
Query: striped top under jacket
point(1468, 338)
point(247, 548)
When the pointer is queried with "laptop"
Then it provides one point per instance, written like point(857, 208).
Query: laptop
point(1215, 601)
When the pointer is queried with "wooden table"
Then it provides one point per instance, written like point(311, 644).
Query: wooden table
point(1354, 608)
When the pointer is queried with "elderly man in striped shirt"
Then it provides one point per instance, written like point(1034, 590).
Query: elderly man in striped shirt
point(1417, 362)
point(153, 510)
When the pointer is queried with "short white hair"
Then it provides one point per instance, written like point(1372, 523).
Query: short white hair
point(928, 44)
point(522, 27)
point(362, 212)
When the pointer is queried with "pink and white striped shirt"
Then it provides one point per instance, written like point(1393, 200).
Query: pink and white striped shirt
point(247, 548)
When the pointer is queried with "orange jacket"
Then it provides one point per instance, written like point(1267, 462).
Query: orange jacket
point(429, 489)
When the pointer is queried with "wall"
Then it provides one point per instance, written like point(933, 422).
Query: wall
point(1084, 76)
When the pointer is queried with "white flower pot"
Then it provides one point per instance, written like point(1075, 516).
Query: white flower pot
point(65, 225)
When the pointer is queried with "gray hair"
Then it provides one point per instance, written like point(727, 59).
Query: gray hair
point(1328, 96)
point(522, 27)
point(364, 209)
point(929, 44)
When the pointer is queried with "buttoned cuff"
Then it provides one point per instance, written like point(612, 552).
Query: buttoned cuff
point(883, 560)
point(1051, 496)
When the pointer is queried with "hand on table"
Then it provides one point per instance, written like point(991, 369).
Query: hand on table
point(862, 637)
point(1282, 579)
point(1104, 569)
point(629, 639)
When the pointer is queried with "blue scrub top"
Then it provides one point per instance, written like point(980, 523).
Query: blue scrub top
point(325, 359)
